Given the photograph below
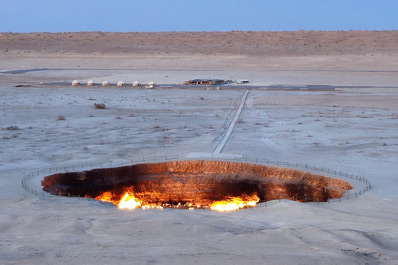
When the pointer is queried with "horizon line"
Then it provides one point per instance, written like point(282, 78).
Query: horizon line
point(197, 31)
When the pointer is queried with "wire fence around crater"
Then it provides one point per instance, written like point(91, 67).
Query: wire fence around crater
point(363, 184)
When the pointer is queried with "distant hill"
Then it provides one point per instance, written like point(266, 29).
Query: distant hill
point(298, 43)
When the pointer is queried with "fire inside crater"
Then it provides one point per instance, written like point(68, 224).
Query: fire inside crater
point(197, 184)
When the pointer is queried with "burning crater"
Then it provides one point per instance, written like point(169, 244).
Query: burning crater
point(217, 185)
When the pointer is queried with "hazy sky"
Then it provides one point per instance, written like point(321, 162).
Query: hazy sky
point(196, 15)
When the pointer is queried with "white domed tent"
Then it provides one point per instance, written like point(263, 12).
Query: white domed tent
point(106, 83)
point(120, 83)
point(91, 83)
point(136, 83)
point(75, 83)
point(151, 84)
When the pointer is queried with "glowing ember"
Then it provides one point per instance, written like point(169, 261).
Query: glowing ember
point(235, 203)
point(106, 197)
point(129, 201)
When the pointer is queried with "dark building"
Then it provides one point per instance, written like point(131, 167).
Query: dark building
point(205, 82)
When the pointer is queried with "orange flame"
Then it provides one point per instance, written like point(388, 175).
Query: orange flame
point(235, 203)
point(129, 201)
point(106, 197)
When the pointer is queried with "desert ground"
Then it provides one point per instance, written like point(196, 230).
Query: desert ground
point(350, 127)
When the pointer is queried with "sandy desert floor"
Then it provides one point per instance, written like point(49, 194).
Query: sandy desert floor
point(351, 129)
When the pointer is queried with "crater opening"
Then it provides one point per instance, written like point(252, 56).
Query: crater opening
point(198, 184)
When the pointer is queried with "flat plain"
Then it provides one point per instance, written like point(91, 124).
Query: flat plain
point(350, 127)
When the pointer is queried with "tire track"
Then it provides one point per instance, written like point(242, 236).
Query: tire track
point(272, 131)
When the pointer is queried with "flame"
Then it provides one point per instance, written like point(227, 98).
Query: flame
point(129, 201)
point(105, 197)
point(234, 203)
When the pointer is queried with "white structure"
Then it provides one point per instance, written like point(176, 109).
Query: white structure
point(136, 83)
point(120, 83)
point(242, 81)
point(106, 83)
point(91, 83)
point(151, 84)
point(75, 83)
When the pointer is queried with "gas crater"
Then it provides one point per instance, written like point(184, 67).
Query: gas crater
point(197, 184)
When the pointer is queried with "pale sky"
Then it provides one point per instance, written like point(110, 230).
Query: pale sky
point(196, 15)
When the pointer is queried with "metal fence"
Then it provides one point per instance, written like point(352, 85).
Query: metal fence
point(35, 188)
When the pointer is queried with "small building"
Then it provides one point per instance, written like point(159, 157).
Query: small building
point(207, 82)
point(75, 83)
point(214, 88)
point(136, 83)
point(91, 83)
point(242, 81)
point(120, 83)
point(106, 83)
